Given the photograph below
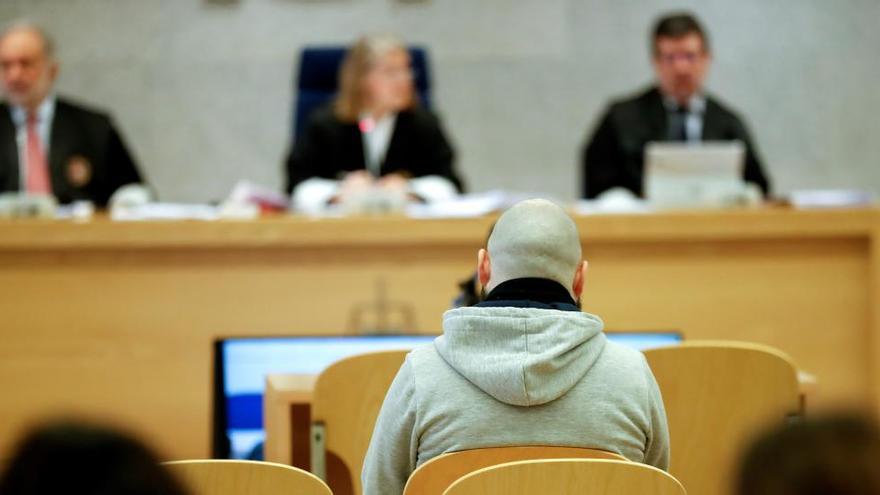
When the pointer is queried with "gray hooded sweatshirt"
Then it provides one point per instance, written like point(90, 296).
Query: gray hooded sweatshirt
point(503, 376)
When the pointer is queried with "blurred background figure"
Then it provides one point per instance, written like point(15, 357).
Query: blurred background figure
point(676, 108)
point(82, 459)
point(837, 455)
point(374, 137)
point(50, 145)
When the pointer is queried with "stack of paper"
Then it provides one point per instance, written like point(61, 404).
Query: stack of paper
point(469, 205)
point(164, 211)
point(830, 198)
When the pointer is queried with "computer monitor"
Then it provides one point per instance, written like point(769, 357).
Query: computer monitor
point(241, 365)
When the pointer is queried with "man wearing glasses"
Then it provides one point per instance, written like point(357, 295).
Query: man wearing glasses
point(677, 108)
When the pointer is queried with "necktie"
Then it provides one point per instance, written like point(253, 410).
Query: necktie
point(37, 168)
point(678, 129)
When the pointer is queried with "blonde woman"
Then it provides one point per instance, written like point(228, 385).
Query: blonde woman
point(374, 135)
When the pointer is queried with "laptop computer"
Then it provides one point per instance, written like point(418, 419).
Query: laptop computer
point(695, 175)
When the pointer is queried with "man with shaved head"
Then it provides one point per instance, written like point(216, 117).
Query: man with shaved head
point(49, 145)
point(523, 367)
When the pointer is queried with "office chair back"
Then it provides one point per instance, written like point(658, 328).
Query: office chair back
point(717, 395)
point(436, 475)
point(345, 404)
point(228, 477)
point(567, 476)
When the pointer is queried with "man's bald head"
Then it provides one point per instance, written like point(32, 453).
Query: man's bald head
point(47, 44)
point(534, 238)
point(27, 64)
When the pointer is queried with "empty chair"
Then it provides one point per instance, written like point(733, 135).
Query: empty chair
point(717, 395)
point(568, 476)
point(436, 475)
point(227, 477)
point(346, 401)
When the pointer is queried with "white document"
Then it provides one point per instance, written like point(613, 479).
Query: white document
point(165, 211)
point(470, 205)
point(831, 198)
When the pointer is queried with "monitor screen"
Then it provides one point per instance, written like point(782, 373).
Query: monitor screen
point(242, 364)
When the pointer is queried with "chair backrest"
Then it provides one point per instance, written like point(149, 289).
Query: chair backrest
point(346, 401)
point(227, 477)
point(567, 476)
point(318, 75)
point(436, 475)
point(717, 396)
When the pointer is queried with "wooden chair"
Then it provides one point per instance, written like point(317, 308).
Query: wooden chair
point(568, 476)
point(346, 402)
point(436, 475)
point(226, 477)
point(717, 396)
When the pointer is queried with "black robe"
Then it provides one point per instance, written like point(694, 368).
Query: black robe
point(330, 148)
point(614, 156)
point(87, 158)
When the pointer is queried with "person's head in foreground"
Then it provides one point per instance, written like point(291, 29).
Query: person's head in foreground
point(830, 455)
point(78, 458)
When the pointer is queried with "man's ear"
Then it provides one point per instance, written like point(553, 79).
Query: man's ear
point(484, 267)
point(579, 275)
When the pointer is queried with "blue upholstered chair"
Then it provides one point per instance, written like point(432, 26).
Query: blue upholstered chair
point(317, 78)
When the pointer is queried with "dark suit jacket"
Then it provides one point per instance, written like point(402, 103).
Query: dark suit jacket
point(87, 157)
point(330, 148)
point(614, 156)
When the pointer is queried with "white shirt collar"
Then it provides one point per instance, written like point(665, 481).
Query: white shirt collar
point(45, 112)
point(376, 138)
point(696, 103)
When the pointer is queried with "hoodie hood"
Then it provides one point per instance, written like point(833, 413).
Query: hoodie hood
point(521, 356)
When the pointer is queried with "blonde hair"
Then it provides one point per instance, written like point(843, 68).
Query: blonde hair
point(358, 62)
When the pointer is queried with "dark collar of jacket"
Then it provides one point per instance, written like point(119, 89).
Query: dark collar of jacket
point(537, 293)
point(9, 177)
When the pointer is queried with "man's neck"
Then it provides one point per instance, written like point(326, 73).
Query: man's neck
point(693, 102)
point(42, 111)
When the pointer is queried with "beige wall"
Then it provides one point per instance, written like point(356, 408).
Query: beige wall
point(202, 89)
